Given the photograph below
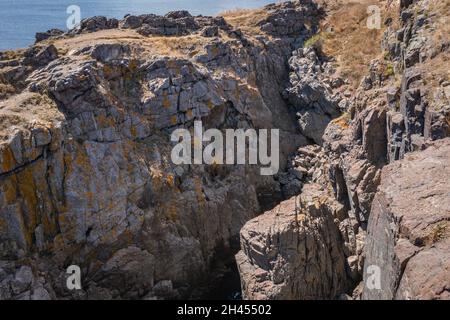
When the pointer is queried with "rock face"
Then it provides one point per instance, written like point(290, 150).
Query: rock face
point(359, 131)
point(313, 99)
point(85, 172)
point(176, 23)
point(288, 18)
point(86, 176)
point(422, 109)
point(294, 251)
point(96, 24)
point(41, 36)
point(408, 235)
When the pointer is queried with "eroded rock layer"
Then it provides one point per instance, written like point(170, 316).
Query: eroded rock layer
point(85, 171)
point(399, 106)
point(408, 235)
point(86, 177)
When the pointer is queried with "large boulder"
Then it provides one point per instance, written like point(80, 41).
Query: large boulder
point(41, 56)
point(294, 251)
point(97, 23)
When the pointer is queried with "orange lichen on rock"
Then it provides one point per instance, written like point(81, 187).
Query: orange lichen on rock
point(9, 189)
point(7, 159)
point(166, 101)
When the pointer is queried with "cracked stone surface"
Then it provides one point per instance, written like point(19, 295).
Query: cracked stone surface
point(408, 234)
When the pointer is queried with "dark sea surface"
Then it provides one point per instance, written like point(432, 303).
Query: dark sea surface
point(21, 19)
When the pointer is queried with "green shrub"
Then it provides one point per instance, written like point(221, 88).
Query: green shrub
point(390, 71)
point(315, 41)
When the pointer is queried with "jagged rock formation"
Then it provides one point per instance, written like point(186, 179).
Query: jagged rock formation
point(85, 170)
point(422, 100)
point(408, 236)
point(398, 107)
point(313, 99)
point(284, 249)
point(86, 176)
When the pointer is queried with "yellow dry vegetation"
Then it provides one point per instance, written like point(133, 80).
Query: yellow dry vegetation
point(245, 19)
point(344, 33)
point(6, 90)
point(343, 121)
point(12, 54)
point(346, 36)
point(175, 46)
point(20, 110)
point(441, 11)
point(181, 46)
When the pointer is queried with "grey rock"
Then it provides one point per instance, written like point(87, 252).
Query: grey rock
point(96, 23)
point(41, 56)
point(40, 294)
point(290, 18)
point(288, 251)
point(41, 36)
point(107, 52)
point(178, 14)
point(411, 252)
point(310, 96)
point(22, 280)
point(211, 31)
point(131, 22)
point(163, 289)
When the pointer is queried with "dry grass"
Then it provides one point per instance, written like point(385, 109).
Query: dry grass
point(435, 71)
point(347, 38)
point(11, 55)
point(24, 108)
point(245, 19)
point(344, 33)
point(440, 8)
point(6, 90)
point(438, 233)
point(176, 46)
point(180, 46)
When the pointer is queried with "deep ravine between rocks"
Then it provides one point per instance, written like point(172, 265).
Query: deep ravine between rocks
point(86, 177)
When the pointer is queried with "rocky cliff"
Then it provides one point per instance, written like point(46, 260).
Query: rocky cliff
point(352, 214)
point(86, 177)
point(408, 228)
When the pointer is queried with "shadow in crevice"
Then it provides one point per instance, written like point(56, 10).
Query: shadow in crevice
point(224, 283)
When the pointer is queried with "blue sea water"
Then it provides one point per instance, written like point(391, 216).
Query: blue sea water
point(21, 19)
